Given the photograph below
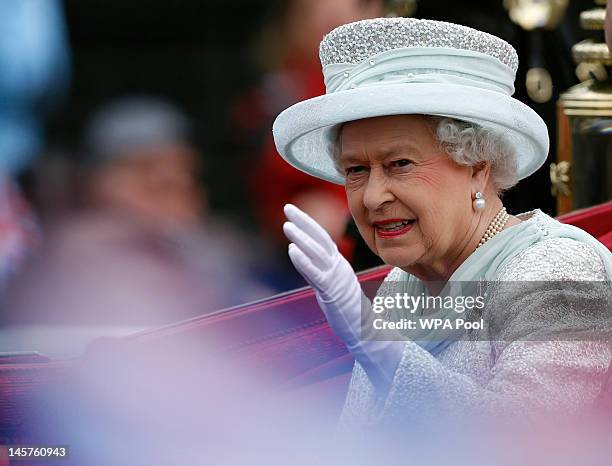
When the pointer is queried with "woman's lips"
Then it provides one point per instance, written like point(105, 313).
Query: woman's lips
point(381, 233)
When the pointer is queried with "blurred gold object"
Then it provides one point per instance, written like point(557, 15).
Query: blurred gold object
point(593, 20)
point(595, 71)
point(582, 175)
point(591, 52)
point(533, 14)
point(560, 178)
point(590, 98)
point(539, 85)
point(400, 8)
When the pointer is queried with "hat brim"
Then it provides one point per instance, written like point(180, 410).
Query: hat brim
point(306, 133)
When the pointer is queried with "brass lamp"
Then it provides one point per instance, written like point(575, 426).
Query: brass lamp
point(582, 175)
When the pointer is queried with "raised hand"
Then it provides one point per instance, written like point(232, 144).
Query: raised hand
point(316, 257)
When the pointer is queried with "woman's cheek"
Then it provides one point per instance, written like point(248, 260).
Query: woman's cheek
point(427, 178)
point(355, 206)
point(435, 173)
point(359, 214)
point(429, 229)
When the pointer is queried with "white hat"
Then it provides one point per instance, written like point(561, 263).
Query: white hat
point(393, 66)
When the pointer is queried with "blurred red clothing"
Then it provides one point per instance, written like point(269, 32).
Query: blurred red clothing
point(274, 182)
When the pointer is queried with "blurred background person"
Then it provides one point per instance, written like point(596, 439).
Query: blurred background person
point(34, 74)
point(139, 162)
point(141, 249)
point(289, 51)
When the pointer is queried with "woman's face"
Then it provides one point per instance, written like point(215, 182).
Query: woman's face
point(411, 202)
point(157, 184)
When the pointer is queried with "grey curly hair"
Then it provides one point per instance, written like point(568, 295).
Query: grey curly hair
point(469, 144)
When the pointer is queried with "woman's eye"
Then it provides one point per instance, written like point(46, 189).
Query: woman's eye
point(355, 169)
point(401, 163)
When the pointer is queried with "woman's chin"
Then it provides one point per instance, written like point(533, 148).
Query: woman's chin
point(397, 258)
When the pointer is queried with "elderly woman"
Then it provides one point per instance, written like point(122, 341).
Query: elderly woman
point(419, 125)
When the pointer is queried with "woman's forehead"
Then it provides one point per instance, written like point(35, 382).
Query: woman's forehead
point(386, 135)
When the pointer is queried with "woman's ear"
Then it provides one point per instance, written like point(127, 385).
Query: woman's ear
point(480, 175)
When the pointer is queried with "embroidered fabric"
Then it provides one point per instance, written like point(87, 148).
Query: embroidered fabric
point(505, 371)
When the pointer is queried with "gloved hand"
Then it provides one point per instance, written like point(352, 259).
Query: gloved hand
point(316, 257)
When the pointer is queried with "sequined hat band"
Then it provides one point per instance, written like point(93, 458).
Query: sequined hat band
point(422, 65)
point(357, 42)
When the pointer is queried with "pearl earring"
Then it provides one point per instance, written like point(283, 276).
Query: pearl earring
point(479, 202)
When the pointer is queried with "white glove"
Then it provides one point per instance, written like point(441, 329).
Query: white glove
point(339, 294)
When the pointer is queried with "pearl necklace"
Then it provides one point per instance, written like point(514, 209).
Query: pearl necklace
point(497, 224)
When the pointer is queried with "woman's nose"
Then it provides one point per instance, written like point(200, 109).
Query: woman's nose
point(377, 192)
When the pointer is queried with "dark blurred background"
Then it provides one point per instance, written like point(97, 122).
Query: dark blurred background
point(199, 216)
point(196, 54)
